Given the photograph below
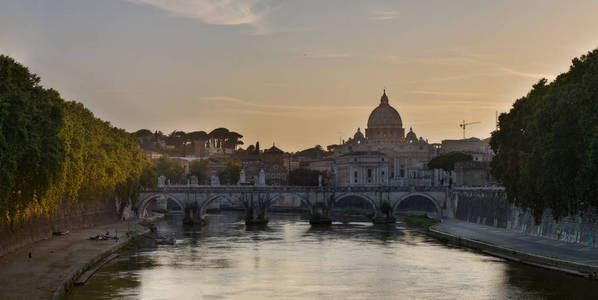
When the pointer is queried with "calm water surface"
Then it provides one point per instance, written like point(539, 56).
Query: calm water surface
point(288, 259)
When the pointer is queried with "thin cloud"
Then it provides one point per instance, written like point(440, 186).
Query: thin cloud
point(222, 12)
point(329, 55)
point(282, 109)
point(526, 74)
point(384, 15)
point(446, 93)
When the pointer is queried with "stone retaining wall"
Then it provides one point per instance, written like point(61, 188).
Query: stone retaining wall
point(490, 207)
point(66, 218)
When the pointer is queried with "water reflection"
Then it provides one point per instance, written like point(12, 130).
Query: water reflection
point(290, 259)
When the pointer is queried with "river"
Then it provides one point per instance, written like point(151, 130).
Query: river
point(289, 259)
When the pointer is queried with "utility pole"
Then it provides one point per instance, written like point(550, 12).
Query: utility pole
point(464, 125)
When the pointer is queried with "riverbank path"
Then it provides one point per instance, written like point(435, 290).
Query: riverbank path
point(572, 252)
point(53, 261)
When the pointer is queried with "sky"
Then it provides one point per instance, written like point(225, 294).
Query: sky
point(296, 73)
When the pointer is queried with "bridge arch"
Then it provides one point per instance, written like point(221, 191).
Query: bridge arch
point(226, 196)
point(340, 197)
point(142, 206)
point(419, 194)
point(279, 196)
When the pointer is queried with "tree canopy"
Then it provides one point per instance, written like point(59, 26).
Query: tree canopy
point(199, 169)
point(547, 144)
point(314, 152)
point(306, 177)
point(171, 169)
point(231, 173)
point(447, 161)
point(55, 152)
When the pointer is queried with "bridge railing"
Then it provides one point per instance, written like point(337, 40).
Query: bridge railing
point(292, 188)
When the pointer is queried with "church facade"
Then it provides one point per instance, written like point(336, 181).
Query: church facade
point(401, 157)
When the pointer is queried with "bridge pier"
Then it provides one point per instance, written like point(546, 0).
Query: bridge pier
point(320, 210)
point(384, 213)
point(320, 215)
point(193, 215)
point(256, 212)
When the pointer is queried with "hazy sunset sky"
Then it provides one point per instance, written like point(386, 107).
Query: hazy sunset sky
point(298, 73)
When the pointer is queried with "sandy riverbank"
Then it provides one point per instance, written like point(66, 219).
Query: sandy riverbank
point(53, 261)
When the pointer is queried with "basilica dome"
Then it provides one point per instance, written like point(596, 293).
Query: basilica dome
point(384, 115)
point(411, 137)
point(358, 135)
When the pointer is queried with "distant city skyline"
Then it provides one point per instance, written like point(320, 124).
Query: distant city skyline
point(297, 73)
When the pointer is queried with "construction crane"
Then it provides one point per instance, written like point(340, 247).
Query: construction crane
point(464, 125)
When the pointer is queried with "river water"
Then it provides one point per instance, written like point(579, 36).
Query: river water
point(289, 259)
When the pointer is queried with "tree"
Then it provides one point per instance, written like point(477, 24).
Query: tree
point(447, 161)
point(231, 140)
point(314, 152)
point(143, 132)
point(179, 140)
point(305, 177)
point(149, 177)
point(218, 136)
point(231, 173)
point(31, 153)
point(199, 169)
point(56, 153)
point(545, 145)
point(171, 169)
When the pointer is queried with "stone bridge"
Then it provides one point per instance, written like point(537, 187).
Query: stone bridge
point(195, 199)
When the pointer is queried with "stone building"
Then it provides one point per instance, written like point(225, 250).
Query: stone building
point(474, 173)
point(252, 168)
point(479, 149)
point(407, 155)
point(274, 166)
point(362, 168)
point(321, 164)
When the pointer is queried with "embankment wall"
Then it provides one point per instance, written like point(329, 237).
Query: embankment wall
point(75, 216)
point(490, 207)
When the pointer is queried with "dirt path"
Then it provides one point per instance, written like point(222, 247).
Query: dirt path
point(52, 261)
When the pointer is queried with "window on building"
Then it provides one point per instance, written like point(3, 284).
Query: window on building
point(369, 172)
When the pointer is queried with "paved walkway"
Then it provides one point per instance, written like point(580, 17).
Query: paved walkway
point(571, 252)
point(52, 261)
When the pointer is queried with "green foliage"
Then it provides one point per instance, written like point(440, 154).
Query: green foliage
point(54, 152)
point(359, 212)
point(547, 144)
point(315, 152)
point(149, 177)
point(199, 169)
point(31, 153)
point(231, 173)
point(447, 161)
point(422, 221)
point(171, 169)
